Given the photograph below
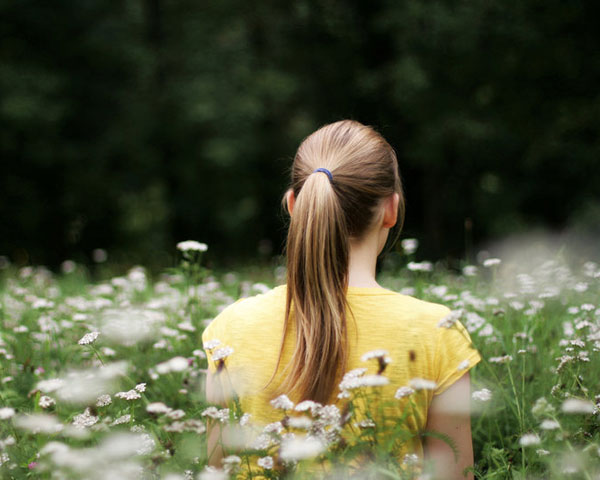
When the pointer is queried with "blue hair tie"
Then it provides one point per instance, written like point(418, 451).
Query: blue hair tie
point(326, 172)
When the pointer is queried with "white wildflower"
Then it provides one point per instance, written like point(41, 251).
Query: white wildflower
point(491, 262)
point(422, 384)
point(294, 449)
point(211, 344)
point(301, 422)
point(103, 400)
point(129, 395)
point(469, 270)
point(549, 425)
point(89, 338)
point(221, 353)
point(175, 364)
point(306, 405)
point(121, 420)
point(410, 459)
point(265, 462)
point(85, 419)
point(529, 439)
point(6, 413)
point(212, 473)
point(46, 401)
point(409, 245)
point(140, 387)
point(449, 320)
point(192, 246)
point(157, 408)
point(577, 405)
point(420, 267)
point(282, 402)
point(483, 395)
point(463, 365)
point(541, 452)
point(403, 392)
point(212, 412)
point(374, 354)
point(502, 359)
point(176, 414)
point(38, 423)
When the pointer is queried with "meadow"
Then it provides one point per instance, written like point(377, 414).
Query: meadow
point(105, 379)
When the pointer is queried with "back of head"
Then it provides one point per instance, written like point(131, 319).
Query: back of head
point(327, 214)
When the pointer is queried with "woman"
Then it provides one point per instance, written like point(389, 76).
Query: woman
point(300, 338)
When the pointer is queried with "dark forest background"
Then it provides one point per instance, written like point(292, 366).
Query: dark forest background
point(130, 125)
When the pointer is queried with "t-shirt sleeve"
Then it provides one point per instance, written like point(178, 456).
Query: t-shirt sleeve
point(455, 355)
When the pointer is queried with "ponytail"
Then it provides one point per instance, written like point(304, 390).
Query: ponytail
point(317, 277)
point(327, 213)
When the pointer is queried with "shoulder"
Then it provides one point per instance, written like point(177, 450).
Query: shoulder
point(428, 313)
point(243, 312)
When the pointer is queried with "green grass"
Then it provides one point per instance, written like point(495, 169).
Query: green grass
point(538, 321)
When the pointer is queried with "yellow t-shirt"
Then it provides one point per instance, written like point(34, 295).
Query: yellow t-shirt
point(404, 326)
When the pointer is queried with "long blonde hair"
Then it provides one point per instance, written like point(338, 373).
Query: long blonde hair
point(326, 215)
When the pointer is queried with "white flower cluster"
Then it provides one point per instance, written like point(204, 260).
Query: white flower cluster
point(192, 246)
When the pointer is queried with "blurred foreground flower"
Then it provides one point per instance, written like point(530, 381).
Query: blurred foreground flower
point(192, 246)
point(131, 326)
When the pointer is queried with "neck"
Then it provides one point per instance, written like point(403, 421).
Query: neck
point(363, 261)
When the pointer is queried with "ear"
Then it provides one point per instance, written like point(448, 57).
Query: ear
point(291, 200)
point(390, 216)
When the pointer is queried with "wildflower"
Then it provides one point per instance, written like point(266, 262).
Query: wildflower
point(410, 459)
point(308, 405)
point(89, 338)
point(294, 449)
point(420, 267)
point(502, 359)
point(403, 392)
point(375, 354)
point(157, 408)
point(199, 353)
point(373, 381)
point(129, 395)
point(549, 425)
point(176, 414)
point(577, 405)
point(212, 473)
point(491, 262)
point(282, 402)
point(265, 462)
point(409, 245)
point(529, 439)
point(469, 270)
point(275, 427)
point(122, 419)
point(463, 365)
point(231, 462)
point(46, 401)
point(222, 353)
point(140, 387)
point(449, 320)
point(422, 384)
point(38, 423)
point(541, 452)
point(212, 412)
point(329, 415)
point(6, 413)
point(212, 344)
point(302, 422)
point(175, 364)
point(483, 395)
point(245, 419)
point(85, 419)
point(103, 400)
point(192, 246)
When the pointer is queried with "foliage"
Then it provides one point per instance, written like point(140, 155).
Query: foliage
point(129, 125)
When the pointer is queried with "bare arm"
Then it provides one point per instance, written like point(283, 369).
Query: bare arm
point(213, 430)
point(450, 414)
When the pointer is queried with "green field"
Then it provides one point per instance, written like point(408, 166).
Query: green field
point(104, 379)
